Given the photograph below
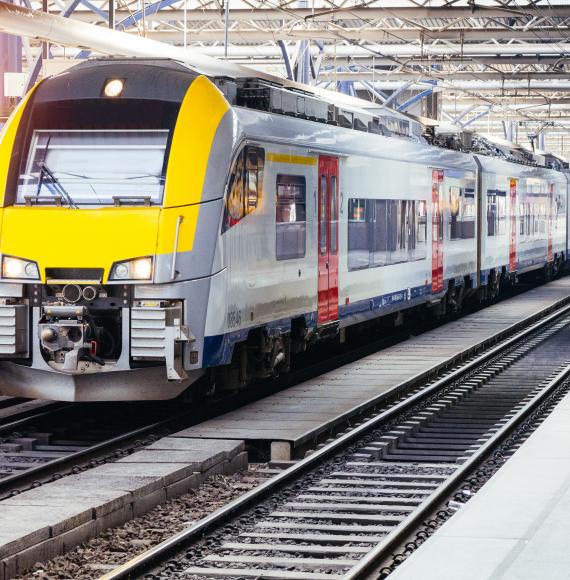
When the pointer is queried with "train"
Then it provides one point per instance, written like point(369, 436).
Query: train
point(164, 230)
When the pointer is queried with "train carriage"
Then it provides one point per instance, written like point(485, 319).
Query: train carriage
point(161, 229)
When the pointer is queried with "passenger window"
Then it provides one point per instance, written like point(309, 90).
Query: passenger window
point(245, 186)
point(421, 237)
point(496, 213)
point(290, 217)
point(385, 231)
point(468, 215)
point(358, 234)
point(334, 215)
point(323, 216)
point(254, 175)
point(454, 213)
point(461, 213)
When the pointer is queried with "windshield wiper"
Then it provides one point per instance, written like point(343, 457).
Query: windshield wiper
point(158, 178)
point(45, 170)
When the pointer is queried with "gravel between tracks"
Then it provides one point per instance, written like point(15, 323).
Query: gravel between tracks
point(117, 545)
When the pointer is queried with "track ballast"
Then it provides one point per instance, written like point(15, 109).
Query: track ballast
point(347, 506)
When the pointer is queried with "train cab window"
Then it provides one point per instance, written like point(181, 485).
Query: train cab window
point(95, 167)
point(290, 217)
point(245, 186)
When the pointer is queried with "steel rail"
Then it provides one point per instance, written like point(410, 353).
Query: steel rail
point(22, 480)
point(31, 476)
point(30, 415)
point(402, 531)
point(147, 559)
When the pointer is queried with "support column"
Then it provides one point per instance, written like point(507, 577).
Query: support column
point(112, 14)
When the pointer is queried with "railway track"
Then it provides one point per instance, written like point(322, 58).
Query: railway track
point(62, 439)
point(345, 509)
point(43, 440)
point(14, 409)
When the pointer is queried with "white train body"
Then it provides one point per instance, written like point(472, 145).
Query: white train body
point(260, 290)
point(240, 236)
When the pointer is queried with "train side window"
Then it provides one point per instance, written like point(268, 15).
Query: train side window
point(421, 229)
point(334, 215)
point(379, 231)
point(255, 164)
point(245, 186)
point(462, 213)
point(528, 220)
point(360, 224)
point(392, 207)
point(290, 217)
point(385, 231)
point(323, 224)
point(496, 213)
point(468, 214)
point(398, 223)
point(455, 211)
point(502, 213)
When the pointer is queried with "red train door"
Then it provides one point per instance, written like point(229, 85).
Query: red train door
point(513, 237)
point(437, 232)
point(549, 219)
point(328, 239)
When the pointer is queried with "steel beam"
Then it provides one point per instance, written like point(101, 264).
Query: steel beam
point(484, 113)
point(557, 49)
point(415, 99)
point(33, 24)
point(401, 12)
point(477, 85)
point(379, 75)
point(368, 35)
point(286, 59)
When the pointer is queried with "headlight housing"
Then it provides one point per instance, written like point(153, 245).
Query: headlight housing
point(19, 269)
point(136, 269)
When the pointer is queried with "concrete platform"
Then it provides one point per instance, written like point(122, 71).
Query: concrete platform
point(44, 522)
point(296, 417)
point(517, 527)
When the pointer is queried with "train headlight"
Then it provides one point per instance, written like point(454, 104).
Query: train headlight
point(137, 269)
point(114, 88)
point(19, 269)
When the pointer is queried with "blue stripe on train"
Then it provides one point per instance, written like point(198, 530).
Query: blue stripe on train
point(218, 350)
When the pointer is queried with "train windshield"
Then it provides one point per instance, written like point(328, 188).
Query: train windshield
point(95, 167)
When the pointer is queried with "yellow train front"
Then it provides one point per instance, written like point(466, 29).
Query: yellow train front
point(111, 203)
